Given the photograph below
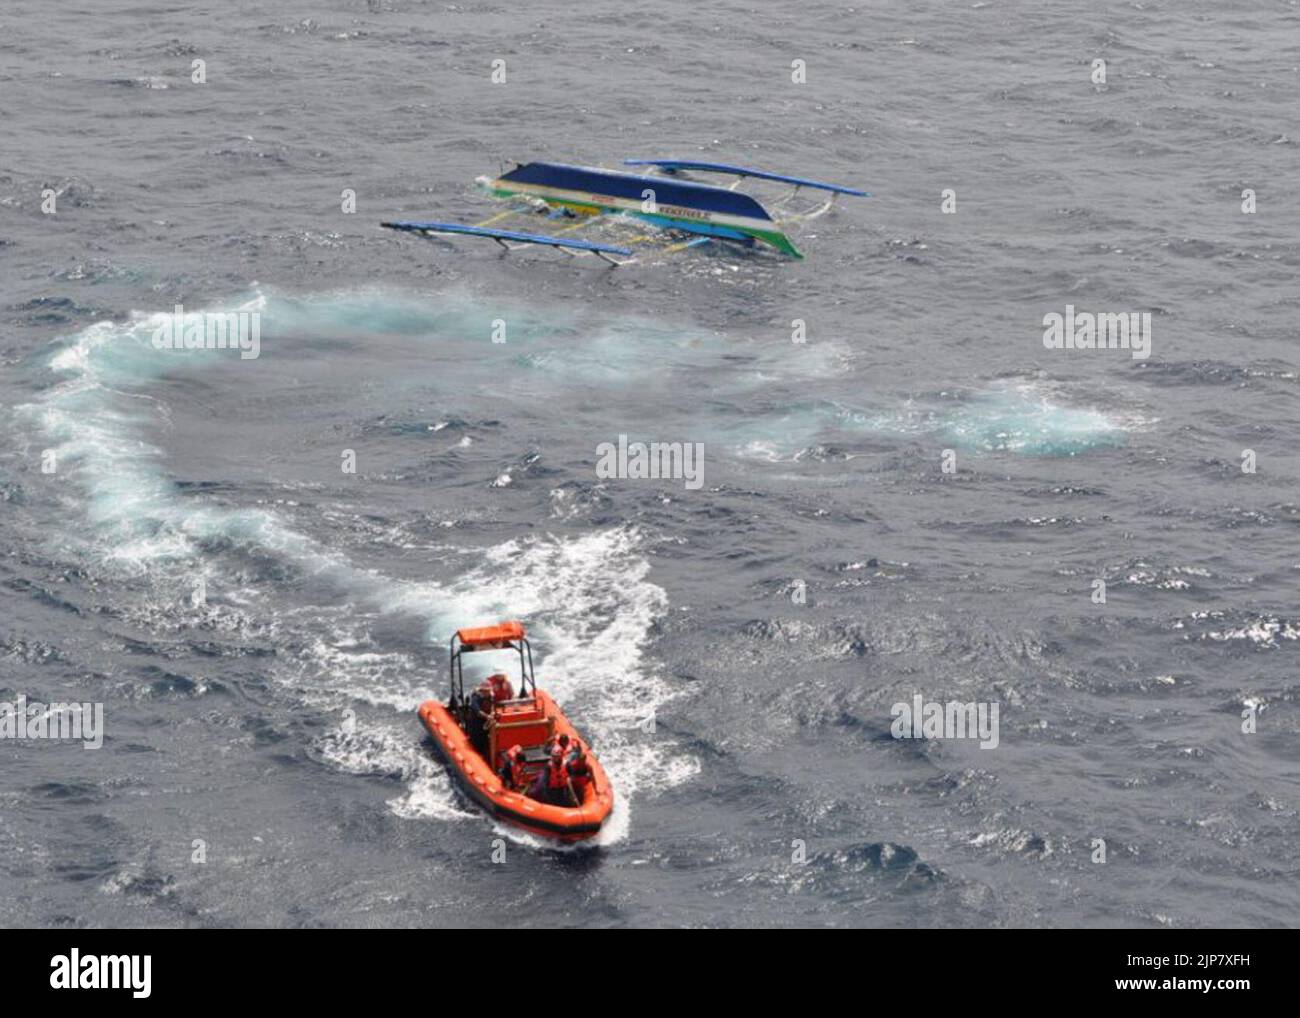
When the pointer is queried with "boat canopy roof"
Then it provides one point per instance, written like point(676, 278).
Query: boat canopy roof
point(491, 637)
point(612, 183)
point(673, 165)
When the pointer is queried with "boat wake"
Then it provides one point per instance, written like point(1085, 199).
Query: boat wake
point(588, 599)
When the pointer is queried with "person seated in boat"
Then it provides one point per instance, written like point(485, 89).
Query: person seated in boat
point(512, 768)
point(537, 790)
point(480, 716)
point(579, 771)
point(540, 789)
point(501, 688)
point(559, 790)
point(551, 785)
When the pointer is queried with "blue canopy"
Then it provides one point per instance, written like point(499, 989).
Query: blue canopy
point(586, 180)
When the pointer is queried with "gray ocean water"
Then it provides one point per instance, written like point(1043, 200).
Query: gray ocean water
point(262, 763)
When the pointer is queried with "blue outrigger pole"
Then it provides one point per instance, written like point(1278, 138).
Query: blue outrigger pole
point(673, 166)
point(502, 236)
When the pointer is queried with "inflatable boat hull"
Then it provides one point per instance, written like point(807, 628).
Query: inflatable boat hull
point(564, 823)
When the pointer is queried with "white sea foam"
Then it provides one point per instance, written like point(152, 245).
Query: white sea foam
point(588, 599)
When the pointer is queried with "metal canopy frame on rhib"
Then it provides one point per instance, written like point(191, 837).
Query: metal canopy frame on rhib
point(505, 636)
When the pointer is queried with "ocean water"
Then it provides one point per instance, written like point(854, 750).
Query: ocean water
point(260, 625)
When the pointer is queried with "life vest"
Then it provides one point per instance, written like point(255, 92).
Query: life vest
point(579, 773)
point(512, 766)
point(501, 688)
point(556, 776)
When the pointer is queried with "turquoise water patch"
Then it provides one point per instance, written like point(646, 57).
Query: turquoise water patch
point(1031, 424)
point(1032, 419)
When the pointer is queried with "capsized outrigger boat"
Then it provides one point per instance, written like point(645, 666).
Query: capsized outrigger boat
point(688, 212)
point(529, 719)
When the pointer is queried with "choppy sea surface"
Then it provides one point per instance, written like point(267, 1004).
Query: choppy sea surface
point(180, 542)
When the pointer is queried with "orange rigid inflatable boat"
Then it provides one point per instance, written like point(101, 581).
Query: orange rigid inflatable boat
point(529, 719)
